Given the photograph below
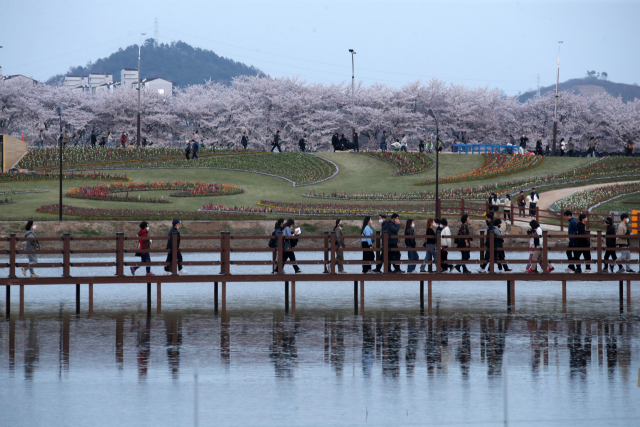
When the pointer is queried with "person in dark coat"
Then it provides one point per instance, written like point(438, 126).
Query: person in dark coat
point(410, 243)
point(335, 142)
point(356, 144)
point(421, 146)
point(523, 142)
point(394, 229)
point(303, 143)
point(343, 142)
point(94, 139)
point(187, 149)
point(174, 233)
point(196, 147)
point(245, 140)
point(572, 230)
point(276, 142)
point(487, 253)
point(384, 224)
point(582, 242)
point(610, 244)
point(539, 147)
point(464, 242)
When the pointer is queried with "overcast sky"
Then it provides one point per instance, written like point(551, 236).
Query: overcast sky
point(503, 44)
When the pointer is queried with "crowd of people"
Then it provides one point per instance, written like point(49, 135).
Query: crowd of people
point(579, 245)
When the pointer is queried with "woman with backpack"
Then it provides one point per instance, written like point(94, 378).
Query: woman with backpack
point(289, 244)
point(367, 243)
point(34, 245)
point(143, 245)
point(410, 243)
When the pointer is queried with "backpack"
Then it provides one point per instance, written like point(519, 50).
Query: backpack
point(273, 242)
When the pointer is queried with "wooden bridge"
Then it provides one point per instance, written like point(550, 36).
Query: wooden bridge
point(326, 249)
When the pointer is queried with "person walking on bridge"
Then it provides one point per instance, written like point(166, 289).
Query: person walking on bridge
point(623, 243)
point(367, 243)
point(174, 233)
point(31, 246)
point(610, 244)
point(572, 230)
point(499, 244)
point(143, 245)
point(339, 245)
point(394, 229)
point(583, 242)
point(384, 224)
point(410, 243)
point(536, 244)
point(487, 253)
point(463, 243)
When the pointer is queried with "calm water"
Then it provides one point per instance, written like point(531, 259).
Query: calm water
point(321, 365)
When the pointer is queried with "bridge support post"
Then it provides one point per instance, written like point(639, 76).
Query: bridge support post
point(621, 297)
point(148, 299)
point(293, 297)
point(429, 298)
point(90, 300)
point(286, 297)
point(362, 297)
point(355, 297)
point(22, 302)
point(78, 299)
point(422, 297)
point(215, 297)
point(159, 298)
point(564, 296)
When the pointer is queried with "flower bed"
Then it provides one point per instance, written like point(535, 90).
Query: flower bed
point(85, 156)
point(587, 199)
point(404, 162)
point(147, 214)
point(53, 176)
point(494, 165)
point(110, 191)
point(6, 201)
point(12, 191)
point(607, 168)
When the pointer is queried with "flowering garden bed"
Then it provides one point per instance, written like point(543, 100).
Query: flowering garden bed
point(52, 176)
point(12, 191)
point(6, 201)
point(147, 214)
point(404, 162)
point(494, 165)
point(112, 191)
point(607, 168)
point(593, 197)
point(46, 158)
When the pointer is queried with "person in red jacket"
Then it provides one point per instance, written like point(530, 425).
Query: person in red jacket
point(123, 140)
point(142, 245)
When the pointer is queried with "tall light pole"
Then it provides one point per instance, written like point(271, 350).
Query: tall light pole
point(139, 89)
point(353, 79)
point(555, 113)
point(432, 114)
point(59, 113)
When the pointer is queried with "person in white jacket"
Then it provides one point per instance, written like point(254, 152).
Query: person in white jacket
point(534, 201)
point(446, 243)
point(403, 143)
point(536, 245)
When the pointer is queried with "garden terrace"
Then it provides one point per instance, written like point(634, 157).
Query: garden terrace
point(587, 199)
point(406, 163)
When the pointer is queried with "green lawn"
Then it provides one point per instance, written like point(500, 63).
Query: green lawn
point(357, 173)
point(622, 204)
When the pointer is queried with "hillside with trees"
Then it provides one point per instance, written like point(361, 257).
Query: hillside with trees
point(593, 83)
point(176, 61)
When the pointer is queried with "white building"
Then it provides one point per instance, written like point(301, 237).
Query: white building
point(75, 81)
point(96, 79)
point(19, 78)
point(162, 86)
point(128, 76)
point(107, 87)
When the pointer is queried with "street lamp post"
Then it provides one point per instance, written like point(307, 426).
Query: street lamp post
point(139, 89)
point(555, 112)
point(353, 108)
point(432, 114)
point(59, 113)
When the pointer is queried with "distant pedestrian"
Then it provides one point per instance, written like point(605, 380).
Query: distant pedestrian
point(41, 138)
point(499, 244)
point(93, 138)
point(394, 229)
point(571, 145)
point(174, 233)
point(533, 203)
point(196, 147)
point(430, 246)
point(356, 142)
point(512, 140)
point(403, 143)
point(367, 243)
point(103, 142)
point(421, 146)
point(187, 149)
point(143, 245)
point(463, 243)
point(440, 146)
point(487, 242)
point(563, 147)
point(123, 140)
point(493, 203)
point(339, 246)
point(245, 140)
point(276, 142)
point(539, 147)
point(343, 142)
point(31, 246)
point(582, 243)
point(623, 243)
point(429, 147)
point(196, 136)
point(629, 147)
point(536, 245)
point(109, 140)
point(303, 143)
point(592, 147)
point(410, 243)
point(610, 244)
point(65, 138)
point(335, 142)
point(288, 245)
point(383, 142)
point(572, 230)
point(522, 204)
point(445, 244)
point(523, 143)
point(384, 224)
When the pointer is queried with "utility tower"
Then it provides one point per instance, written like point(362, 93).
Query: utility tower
point(538, 74)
